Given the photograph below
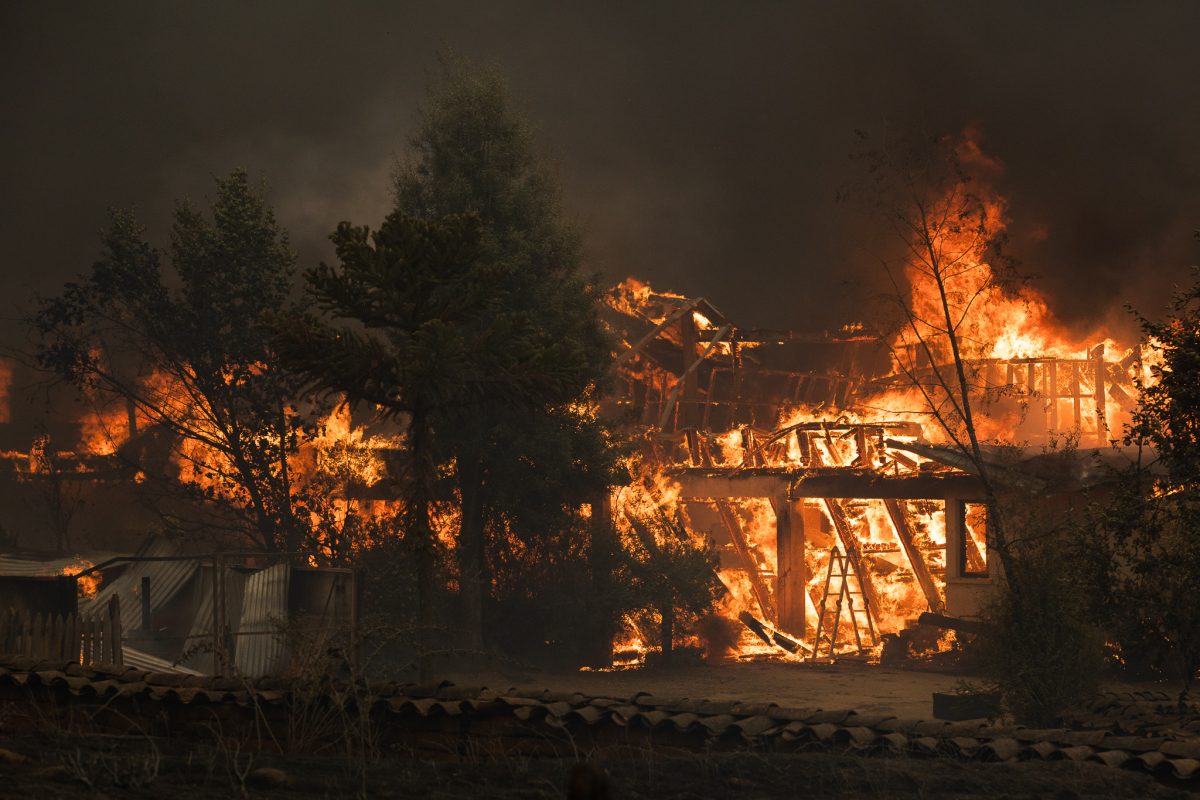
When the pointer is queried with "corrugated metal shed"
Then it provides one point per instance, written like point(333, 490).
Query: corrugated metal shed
point(167, 579)
point(260, 641)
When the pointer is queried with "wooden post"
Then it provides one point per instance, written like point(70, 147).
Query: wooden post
point(54, 639)
point(72, 638)
point(218, 615)
point(1076, 400)
point(118, 631)
point(1051, 381)
point(85, 641)
point(37, 636)
point(791, 571)
point(1030, 381)
point(1101, 394)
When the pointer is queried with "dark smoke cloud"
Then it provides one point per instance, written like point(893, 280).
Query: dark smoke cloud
point(701, 145)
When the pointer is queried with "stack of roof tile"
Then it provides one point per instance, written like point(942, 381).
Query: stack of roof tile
point(1144, 731)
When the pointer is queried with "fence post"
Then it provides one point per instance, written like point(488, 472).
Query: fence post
point(85, 644)
point(116, 651)
point(37, 636)
point(218, 614)
point(54, 644)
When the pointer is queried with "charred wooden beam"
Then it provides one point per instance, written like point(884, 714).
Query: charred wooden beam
point(759, 630)
point(700, 484)
point(687, 400)
point(786, 642)
point(916, 559)
point(1101, 416)
point(797, 483)
point(637, 346)
point(765, 335)
point(761, 593)
point(875, 486)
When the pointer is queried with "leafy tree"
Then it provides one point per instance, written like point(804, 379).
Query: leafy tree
point(180, 337)
point(413, 325)
point(1141, 544)
point(522, 468)
point(677, 574)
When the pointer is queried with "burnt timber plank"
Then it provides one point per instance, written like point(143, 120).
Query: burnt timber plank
point(817, 483)
point(738, 537)
point(915, 559)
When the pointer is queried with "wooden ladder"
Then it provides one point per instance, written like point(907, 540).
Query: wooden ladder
point(840, 570)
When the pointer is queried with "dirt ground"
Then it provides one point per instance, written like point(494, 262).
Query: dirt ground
point(845, 685)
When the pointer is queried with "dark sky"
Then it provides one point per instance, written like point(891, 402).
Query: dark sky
point(701, 145)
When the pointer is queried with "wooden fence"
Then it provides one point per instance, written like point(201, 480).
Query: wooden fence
point(94, 639)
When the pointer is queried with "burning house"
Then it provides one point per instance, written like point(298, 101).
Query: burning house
point(839, 507)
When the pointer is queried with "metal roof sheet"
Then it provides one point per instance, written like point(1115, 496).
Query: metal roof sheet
point(167, 578)
point(32, 565)
point(259, 647)
point(139, 659)
point(197, 650)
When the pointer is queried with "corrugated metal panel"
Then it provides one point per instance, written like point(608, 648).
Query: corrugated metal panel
point(198, 646)
point(167, 578)
point(260, 642)
point(33, 566)
point(141, 660)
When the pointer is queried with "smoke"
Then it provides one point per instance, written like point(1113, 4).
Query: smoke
point(701, 145)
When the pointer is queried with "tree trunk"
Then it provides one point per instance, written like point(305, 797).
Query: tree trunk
point(425, 616)
point(471, 573)
point(602, 560)
point(419, 526)
point(668, 630)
